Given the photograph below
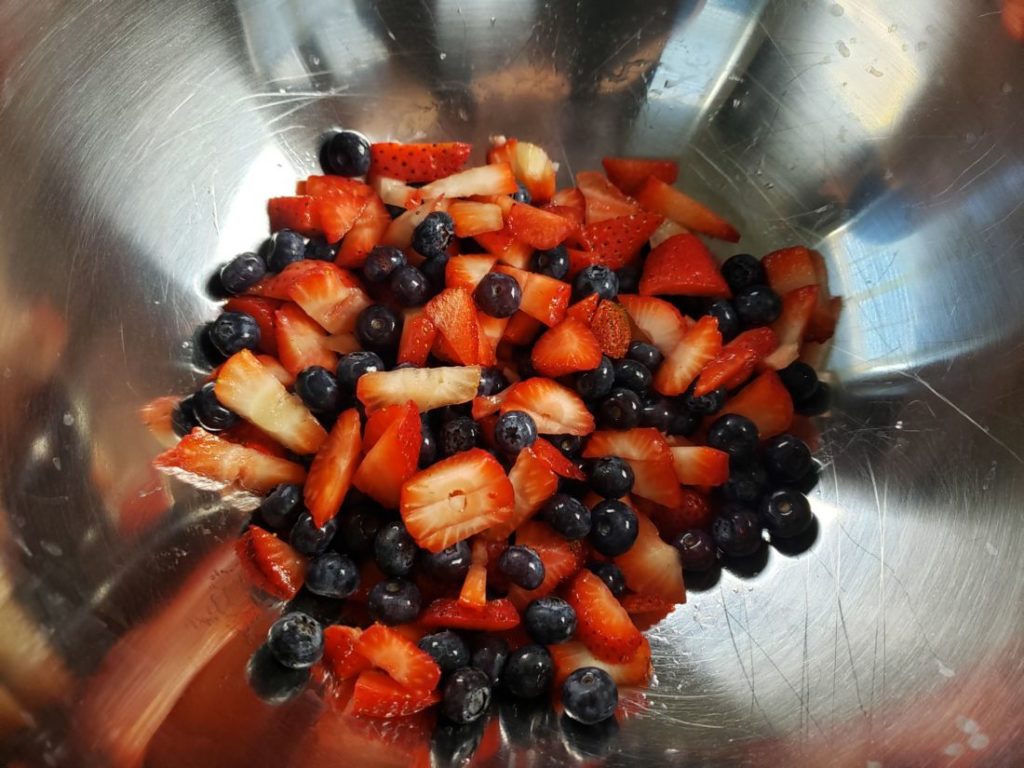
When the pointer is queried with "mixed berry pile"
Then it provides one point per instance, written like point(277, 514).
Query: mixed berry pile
point(494, 422)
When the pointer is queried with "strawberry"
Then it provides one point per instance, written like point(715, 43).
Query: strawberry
point(299, 213)
point(658, 320)
point(407, 664)
point(330, 474)
point(473, 218)
point(429, 388)
point(456, 498)
point(340, 655)
point(580, 260)
point(798, 307)
point(692, 512)
point(570, 656)
point(391, 460)
point(611, 327)
point(396, 192)
point(251, 391)
point(323, 186)
point(647, 454)
point(766, 402)
point(367, 231)
point(279, 286)
point(271, 564)
point(699, 346)
point(601, 622)
point(262, 311)
point(571, 198)
point(495, 616)
point(251, 436)
point(506, 247)
point(561, 559)
point(651, 566)
point(492, 329)
point(453, 313)
point(330, 295)
point(730, 368)
point(505, 202)
point(557, 410)
point(790, 268)
point(378, 422)
point(338, 207)
point(521, 329)
point(545, 299)
point(556, 460)
point(573, 218)
point(603, 199)
point(656, 480)
point(496, 179)
point(474, 587)
point(534, 169)
point(467, 271)
point(824, 320)
point(682, 265)
point(486, 406)
point(618, 241)
point(584, 309)
point(418, 162)
point(630, 173)
point(399, 231)
point(667, 229)
point(301, 342)
point(785, 356)
point(156, 415)
point(418, 337)
point(762, 340)
point(567, 348)
point(377, 695)
point(646, 611)
point(533, 483)
point(658, 197)
point(537, 228)
point(700, 465)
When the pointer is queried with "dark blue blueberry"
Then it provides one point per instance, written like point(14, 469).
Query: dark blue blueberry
point(808, 482)
point(817, 403)
point(742, 271)
point(451, 412)
point(589, 695)
point(183, 417)
point(459, 434)
point(433, 235)
point(285, 248)
point(657, 412)
point(684, 421)
point(705, 405)
point(568, 516)
point(318, 389)
point(553, 262)
point(728, 320)
point(569, 445)
point(448, 565)
point(612, 577)
point(211, 415)
point(514, 431)
point(800, 379)
point(234, 331)
point(394, 549)
point(394, 601)
point(522, 566)
point(786, 457)
point(614, 528)
point(409, 286)
point(611, 477)
point(428, 445)
point(746, 484)
point(737, 531)
point(296, 640)
point(524, 363)
point(757, 305)
point(598, 383)
point(271, 681)
point(466, 695)
point(435, 272)
point(598, 279)
point(529, 671)
point(522, 194)
point(358, 530)
point(242, 272)
point(382, 262)
point(498, 295)
point(786, 513)
point(648, 355)
point(332, 575)
point(447, 649)
point(346, 153)
point(279, 508)
point(308, 538)
point(629, 279)
point(632, 375)
point(320, 250)
point(620, 410)
point(394, 211)
point(696, 550)
point(379, 328)
point(489, 656)
point(550, 620)
point(492, 381)
point(736, 435)
point(354, 365)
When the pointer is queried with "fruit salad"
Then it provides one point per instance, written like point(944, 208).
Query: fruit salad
point(494, 425)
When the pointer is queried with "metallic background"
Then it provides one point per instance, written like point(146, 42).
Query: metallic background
point(139, 141)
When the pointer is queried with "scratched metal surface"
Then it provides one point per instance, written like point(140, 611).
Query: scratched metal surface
point(140, 140)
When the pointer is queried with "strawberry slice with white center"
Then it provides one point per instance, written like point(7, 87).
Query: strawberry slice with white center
point(700, 465)
point(603, 199)
point(601, 622)
point(766, 402)
point(667, 229)
point(401, 658)
point(472, 218)
point(570, 656)
point(630, 173)
point(651, 566)
point(399, 231)
point(330, 474)
point(658, 320)
point(467, 271)
point(533, 482)
point(540, 229)
point(658, 197)
point(429, 388)
point(454, 315)
point(790, 268)
point(798, 307)
point(418, 162)
point(391, 460)
point(396, 192)
point(496, 179)
point(555, 409)
point(456, 498)
point(567, 348)
point(340, 655)
point(270, 563)
point(368, 230)
point(301, 342)
point(377, 695)
point(683, 266)
point(534, 169)
point(698, 347)
point(333, 297)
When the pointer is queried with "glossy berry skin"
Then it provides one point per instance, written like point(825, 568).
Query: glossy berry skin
point(629, 279)
point(657, 412)
point(553, 263)
point(394, 601)
point(696, 550)
point(742, 271)
point(242, 272)
point(817, 403)
point(489, 656)
point(459, 434)
point(308, 539)
point(614, 528)
point(736, 435)
point(498, 295)
point(346, 153)
point(447, 649)
point(707, 404)
point(589, 695)
point(598, 279)
point(382, 262)
point(353, 365)
point(394, 550)
point(522, 194)
point(737, 531)
point(492, 381)
point(379, 327)
point(232, 332)
point(611, 477)
point(648, 355)
point(800, 379)
point(318, 389)
point(728, 319)
point(786, 457)
point(522, 566)
point(630, 374)
point(598, 383)
point(612, 577)
point(466, 696)
point(211, 415)
point(448, 565)
point(434, 271)
point(514, 431)
point(684, 421)
point(569, 445)
point(285, 248)
point(786, 513)
point(271, 681)
point(428, 446)
point(332, 575)
point(567, 515)
point(620, 410)
point(528, 672)
point(183, 417)
point(296, 640)
point(409, 286)
point(550, 620)
point(757, 305)
point(433, 235)
point(746, 484)
point(319, 250)
point(358, 530)
point(281, 505)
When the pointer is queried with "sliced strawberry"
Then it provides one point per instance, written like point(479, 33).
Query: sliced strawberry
point(492, 329)
point(429, 388)
point(646, 610)
point(279, 286)
point(301, 343)
point(584, 309)
point(533, 482)
point(545, 299)
point(798, 307)
point(730, 368)
point(658, 320)
point(157, 415)
point(630, 173)
point(766, 402)
point(700, 465)
point(567, 348)
point(456, 498)
point(391, 460)
point(572, 217)
point(487, 406)
point(557, 410)
point(399, 231)
point(251, 391)
point(699, 346)
point(271, 564)
point(251, 436)
point(396, 192)
point(506, 247)
point(824, 320)
point(534, 169)
point(580, 260)
point(501, 150)
point(330, 295)
point(262, 311)
point(618, 241)
point(453, 313)
point(601, 622)
point(496, 616)
point(612, 329)
point(682, 266)
point(299, 213)
point(648, 456)
point(505, 202)
point(561, 559)
point(474, 587)
point(367, 231)
point(556, 460)
point(537, 228)
point(330, 474)
point(377, 695)
point(693, 511)
point(604, 200)
point(570, 656)
point(406, 663)
point(667, 229)
point(496, 179)
point(338, 207)
point(656, 480)
point(418, 162)
point(762, 340)
point(521, 329)
point(783, 357)
point(658, 197)
point(378, 422)
point(467, 271)
point(571, 198)
point(790, 268)
point(340, 655)
point(323, 185)
point(473, 218)
point(418, 337)
point(651, 566)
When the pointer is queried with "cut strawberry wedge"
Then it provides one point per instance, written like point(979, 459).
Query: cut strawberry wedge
point(418, 337)
point(603, 199)
point(496, 179)
point(338, 206)
point(506, 247)
point(824, 320)
point(330, 474)
point(567, 348)
point(157, 416)
point(467, 271)
point(474, 586)
point(299, 213)
point(340, 655)
point(301, 343)
point(392, 459)
point(495, 616)
point(454, 315)
point(377, 695)
point(618, 241)
point(658, 197)
point(545, 299)
point(630, 173)
point(699, 346)
point(683, 266)
point(429, 388)
point(521, 329)
point(570, 656)
point(533, 482)
point(406, 663)
point(692, 512)
point(798, 307)
point(561, 558)
point(556, 460)
point(396, 192)
point(534, 169)
point(602, 623)
point(367, 231)
point(557, 410)
point(790, 268)
point(766, 402)
point(729, 369)
point(262, 311)
point(659, 321)
point(667, 229)
point(472, 218)
point(270, 563)
point(651, 566)
point(700, 465)
point(279, 286)
point(648, 456)
point(330, 295)
point(610, 325)
point(584, 309)
point(537, 228)
point(378, 422)
point(418, 162)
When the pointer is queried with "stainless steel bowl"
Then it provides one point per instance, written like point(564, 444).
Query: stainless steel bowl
point(140, 141)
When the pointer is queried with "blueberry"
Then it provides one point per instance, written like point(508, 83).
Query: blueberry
point(358, 530)
point(612, 577)
point(320, 250)
point(737, 531)
point(428, 446)
point(447, 649)
point(786, 513)
point(742, 271)
point(522, 194)
point(614, 528)
point(757, 305)
point(589, 695)
point(550, 620)
point(394, 211)
point(632, 375)
point(242, 272)
point(459, 435)
point(433, 235)
point(435, 272)
point(271, 681)
point(598, 383)
point(611, 477)
point(492, 381)
point(382, 262)
point(620, 410)
point(684, 421)
point(409, 286)
point(296, 640)
point(489, 656)
point(800, 379)
point(629, 279)
point(567, 515)
point(332, 575)
point(728, 319)
point(308, 538)
point(734, 434)
point(657, 412)
point(281, 505)
point(448, 565)
point(808, 482)
point(498, 295)
point(648, 355)
point(318, 389)
point(285, 248)
point(514, 431)
point(394, 550)
point(553, 262)
point(234, 331)
point(569, 445)
point(183, 417)
point(211, 415)
point(522, 566)
point(379, 327)
point(346, 153)
point(466, 696)
point(528, 672)
point(745, 484)
point(598, 279)
point(817, 403)
point(394, 601)
point(524, 365)
point(696, 550)
point(707, 404)
point(352, 366)
point(786, 457)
